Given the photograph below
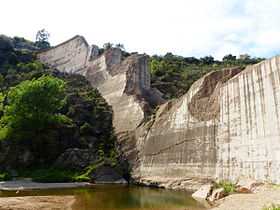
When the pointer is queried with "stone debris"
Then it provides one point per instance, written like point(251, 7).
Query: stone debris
point(217, 194)
point(207, 192)
point(203, 192)
point(247, 185)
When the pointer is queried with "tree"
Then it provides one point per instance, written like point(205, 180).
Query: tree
point(42, 39)
point(7, 54)
point(154, 66)
point(108, 46)
point(191, 60)
point(229, 58)
point(169, 56)
point(33, 105)
point(207, 60)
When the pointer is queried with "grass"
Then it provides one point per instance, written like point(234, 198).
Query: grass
point(227, 186)
point(272, 207)
point(4, 176)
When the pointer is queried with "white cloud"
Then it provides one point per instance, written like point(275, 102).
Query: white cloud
point(186, 27)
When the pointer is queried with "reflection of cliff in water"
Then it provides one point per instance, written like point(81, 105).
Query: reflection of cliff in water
point(115, 197)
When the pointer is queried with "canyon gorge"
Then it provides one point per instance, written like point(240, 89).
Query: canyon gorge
point(224, 128)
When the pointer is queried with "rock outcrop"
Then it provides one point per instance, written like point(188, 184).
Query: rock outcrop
point(227, 126)
point(123, 82)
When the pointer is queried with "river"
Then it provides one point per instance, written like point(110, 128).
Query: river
point(119, 197)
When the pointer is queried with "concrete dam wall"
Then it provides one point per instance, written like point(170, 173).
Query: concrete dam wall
point(226, 127)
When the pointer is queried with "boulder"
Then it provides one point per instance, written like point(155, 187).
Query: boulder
point(217, 194)
point(247, 185)
point(203, 192)
point(76, 159)
point(107, 174)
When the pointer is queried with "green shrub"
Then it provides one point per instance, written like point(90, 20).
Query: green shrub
point(53, 175)
point(4, 176)
point(272, 207)
point(49, 175)
point(81, 178)
point(173, 75)
point(228, 186)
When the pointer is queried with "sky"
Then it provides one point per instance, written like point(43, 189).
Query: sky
point(184, 27)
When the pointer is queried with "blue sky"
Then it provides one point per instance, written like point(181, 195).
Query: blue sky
point(183, 27)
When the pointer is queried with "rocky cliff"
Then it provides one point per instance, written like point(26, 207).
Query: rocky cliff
point(225, 127)
point(123, 81)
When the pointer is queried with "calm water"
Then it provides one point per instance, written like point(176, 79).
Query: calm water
point(116, 197)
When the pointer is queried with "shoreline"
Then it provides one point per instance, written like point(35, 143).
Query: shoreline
point(37, 202)
point(265, 195)
point(30, 185)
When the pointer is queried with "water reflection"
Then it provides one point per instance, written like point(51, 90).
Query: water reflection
point(116, 197)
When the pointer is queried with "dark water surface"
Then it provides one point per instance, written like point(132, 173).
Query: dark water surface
point(117, 197)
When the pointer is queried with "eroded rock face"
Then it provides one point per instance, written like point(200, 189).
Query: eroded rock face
point(123, 82)
point(248, 133)
point(180, 141)
point(225, 127)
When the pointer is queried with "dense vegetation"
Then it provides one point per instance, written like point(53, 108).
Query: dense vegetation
point(44, 112)
point(173, 75)
point(31, 106)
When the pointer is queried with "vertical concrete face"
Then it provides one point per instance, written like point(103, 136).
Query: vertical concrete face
point(248, 139)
